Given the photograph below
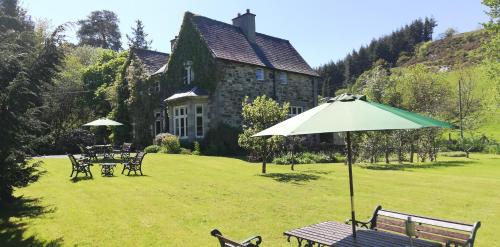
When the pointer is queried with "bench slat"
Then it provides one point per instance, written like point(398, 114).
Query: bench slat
point(428, 221)
point(422, 228)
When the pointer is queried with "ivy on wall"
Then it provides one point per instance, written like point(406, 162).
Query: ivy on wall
point(190, 47)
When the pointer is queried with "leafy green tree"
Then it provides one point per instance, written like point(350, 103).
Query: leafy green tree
point(64, 103)
point(493, 46)
point(100, 80)
point(27, 67)
point(141, 102)
point(100, 29)
point(258, 115)
point(139, 37)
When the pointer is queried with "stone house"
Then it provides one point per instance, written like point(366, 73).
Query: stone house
point(214, 65)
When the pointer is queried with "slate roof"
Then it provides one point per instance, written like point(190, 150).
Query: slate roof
point(190, 92)
point(229, 42)
point(153, 60)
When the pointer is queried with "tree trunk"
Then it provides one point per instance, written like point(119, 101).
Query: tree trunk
point(293, 162)
point(264, 166)
point(412, 151)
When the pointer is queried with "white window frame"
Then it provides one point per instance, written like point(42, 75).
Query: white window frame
point(259, 74)
point(295, 110)
point(283, 78)
point(178, 117)
point(196, 115)
point(188, 66)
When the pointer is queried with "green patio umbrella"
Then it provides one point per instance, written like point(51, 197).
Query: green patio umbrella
point(349, 113)
point(103, 122)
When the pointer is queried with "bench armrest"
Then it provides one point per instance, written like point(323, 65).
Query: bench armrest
point(250, 241)
point(365, 224)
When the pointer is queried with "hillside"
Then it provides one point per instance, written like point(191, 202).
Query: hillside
point(462, 49)
point(459, 54)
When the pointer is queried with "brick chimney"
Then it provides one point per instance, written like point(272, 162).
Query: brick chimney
point(246, 22)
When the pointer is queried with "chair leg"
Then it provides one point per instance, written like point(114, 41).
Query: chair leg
point(140, 170)
point(72, 171)
point(123, 169)
point(128, 172)
point(88, 168)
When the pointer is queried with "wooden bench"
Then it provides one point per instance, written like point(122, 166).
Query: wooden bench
point(225, 242)
point(443, 232)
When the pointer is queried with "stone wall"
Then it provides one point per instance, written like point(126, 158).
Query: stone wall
point(239, 80)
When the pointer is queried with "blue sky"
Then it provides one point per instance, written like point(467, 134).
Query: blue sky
point(320, 30)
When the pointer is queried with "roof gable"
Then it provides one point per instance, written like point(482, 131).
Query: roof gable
point(228, 42)
point(152, 60)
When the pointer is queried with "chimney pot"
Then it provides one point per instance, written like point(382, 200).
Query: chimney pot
point(248, 10)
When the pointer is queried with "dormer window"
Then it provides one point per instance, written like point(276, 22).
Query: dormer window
point(188, 72)
point(259, 74)
point(283, 77)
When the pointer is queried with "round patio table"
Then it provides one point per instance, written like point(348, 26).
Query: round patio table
point(107, 169)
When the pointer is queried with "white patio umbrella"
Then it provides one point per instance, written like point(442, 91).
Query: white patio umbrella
point(348, 113)
point(103, 122)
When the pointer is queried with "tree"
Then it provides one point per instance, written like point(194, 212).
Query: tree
point(139, 37)
point(27, 67)
point(100, 29)
point(258, 115)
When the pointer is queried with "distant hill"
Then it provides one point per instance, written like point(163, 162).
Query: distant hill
point(462, 49)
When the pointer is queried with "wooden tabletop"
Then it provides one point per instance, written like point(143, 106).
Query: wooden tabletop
point(332, 233)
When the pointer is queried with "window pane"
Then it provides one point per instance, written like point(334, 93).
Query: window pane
point(199, 109)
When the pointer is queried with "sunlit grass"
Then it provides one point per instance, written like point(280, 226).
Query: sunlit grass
point(181, 198)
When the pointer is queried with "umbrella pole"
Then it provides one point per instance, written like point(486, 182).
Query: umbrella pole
point(351, 187)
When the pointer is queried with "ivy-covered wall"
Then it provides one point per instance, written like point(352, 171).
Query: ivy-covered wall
point(190, 47)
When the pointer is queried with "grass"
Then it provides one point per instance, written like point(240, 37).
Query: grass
point(181, 198)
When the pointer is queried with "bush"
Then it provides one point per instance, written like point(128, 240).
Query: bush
point(171, 145)
point(68, 142)
point(197, 150)
point(185, 151)
point(152, 149)
point(159, 138)
point(222, 140)
point(303, 158)
point(493, 149)
point(453, 154)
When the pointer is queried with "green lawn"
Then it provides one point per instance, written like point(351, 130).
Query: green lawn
point(181, 198)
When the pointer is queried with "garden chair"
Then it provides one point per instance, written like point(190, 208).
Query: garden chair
point(134, 164)
point(124, 151)
point(88, 153)
point(225, 242)
point(79, 166)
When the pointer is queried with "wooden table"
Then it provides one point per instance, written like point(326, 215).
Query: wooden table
point(332, 233)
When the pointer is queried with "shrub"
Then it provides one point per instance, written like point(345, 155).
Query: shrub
point(493, 149)
point(171, 145)
point(197, 150)
point(68, 142)
point(303, 158)
point(185, 151)
point(152, 149)
point(159, 138)
point(222, 140)
point(454, 154)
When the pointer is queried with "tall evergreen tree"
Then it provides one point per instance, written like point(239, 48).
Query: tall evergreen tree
point(139, 37)
point(27, 67)
point(100, 29)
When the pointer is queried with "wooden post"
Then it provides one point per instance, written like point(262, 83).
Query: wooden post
point(351, 186)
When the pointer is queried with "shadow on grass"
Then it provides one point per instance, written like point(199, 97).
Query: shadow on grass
point(400, 167)
point(11, 232)
point(78, 179)
point(294, 178)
